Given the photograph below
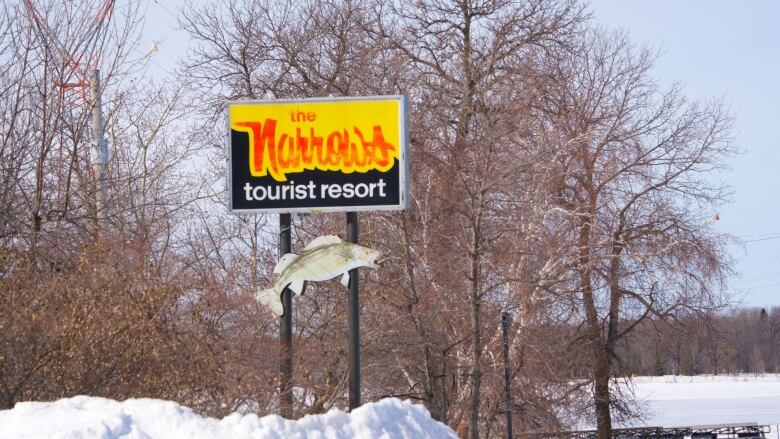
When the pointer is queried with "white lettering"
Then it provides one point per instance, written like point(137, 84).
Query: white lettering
point(311, 190)
point(334, 191)
point(256, 190)
point(348, 190)
point(291, 191)
point(362, 186)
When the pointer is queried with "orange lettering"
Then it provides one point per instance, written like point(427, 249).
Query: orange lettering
point(290, 153)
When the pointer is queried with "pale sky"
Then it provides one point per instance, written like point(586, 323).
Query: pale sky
point(726, 48)
point(714, 48)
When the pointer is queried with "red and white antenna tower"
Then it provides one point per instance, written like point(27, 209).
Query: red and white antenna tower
point(80, 59)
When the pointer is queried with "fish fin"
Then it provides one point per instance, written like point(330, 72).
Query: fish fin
point(297, 286)
point(345, 279)
point(321, 241)
point(272, 300)
point(284, 261)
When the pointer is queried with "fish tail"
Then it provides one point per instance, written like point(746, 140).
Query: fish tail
point(270, 298)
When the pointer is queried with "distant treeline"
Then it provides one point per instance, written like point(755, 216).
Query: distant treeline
point(743, 340)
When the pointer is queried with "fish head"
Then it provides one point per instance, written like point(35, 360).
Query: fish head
point(367, 256)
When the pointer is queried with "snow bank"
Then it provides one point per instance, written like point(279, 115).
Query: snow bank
point(99, 418)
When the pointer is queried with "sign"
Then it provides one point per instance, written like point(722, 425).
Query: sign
point(317, 155)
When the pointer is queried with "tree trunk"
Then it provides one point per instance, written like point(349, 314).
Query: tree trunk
point(602, 373)
point(601, 360)
point(432, 388)
point(476, 372)
point(476, 340)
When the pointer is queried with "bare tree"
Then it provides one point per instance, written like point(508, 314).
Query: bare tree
point(467, 60)
point(463, 65)
point(86, 315)
point(634, 190)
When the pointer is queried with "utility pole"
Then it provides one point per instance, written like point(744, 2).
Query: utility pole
point(285, 325)
point(353, 320)
point(82, 73)
point(507, 375)
point(99, 150)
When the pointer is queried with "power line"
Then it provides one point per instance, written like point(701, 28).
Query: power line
point(774, 273)
point(165, 9)
point(770, 237)
point(758, 287)
point(762, 262)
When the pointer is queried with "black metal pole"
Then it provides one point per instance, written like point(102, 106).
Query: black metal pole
point(507, 376)
point(285, 326)
point(353, 320)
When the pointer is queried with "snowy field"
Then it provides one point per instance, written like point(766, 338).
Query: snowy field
point(682, 401)
point(86, 417)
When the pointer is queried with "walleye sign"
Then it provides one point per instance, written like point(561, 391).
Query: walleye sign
point(324, 258)
point(317, 155)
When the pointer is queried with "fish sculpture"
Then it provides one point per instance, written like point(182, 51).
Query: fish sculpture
point(324, 258)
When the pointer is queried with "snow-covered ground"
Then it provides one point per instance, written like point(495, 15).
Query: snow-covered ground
point(85, 417)
point(710, 399)
point(671, 401)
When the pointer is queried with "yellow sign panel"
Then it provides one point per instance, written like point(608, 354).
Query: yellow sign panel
point(330, 136)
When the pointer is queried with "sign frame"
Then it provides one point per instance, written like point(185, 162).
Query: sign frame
point(403, 150)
